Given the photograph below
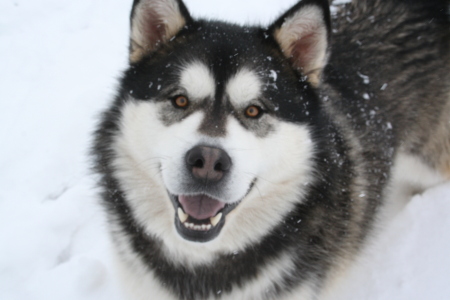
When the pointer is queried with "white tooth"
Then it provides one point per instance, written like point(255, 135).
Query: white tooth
point(182, 216)
point(203, 227)
point(197, 227)
point(208, 227)
point(215, 220)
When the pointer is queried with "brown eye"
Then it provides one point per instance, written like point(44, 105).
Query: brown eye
point(253, 111)
point(181, 102)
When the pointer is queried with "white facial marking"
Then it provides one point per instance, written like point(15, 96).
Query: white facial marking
point(150, 155)
point(198, 81)
point(243, 87)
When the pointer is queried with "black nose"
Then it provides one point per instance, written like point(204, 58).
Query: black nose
point(208, 163)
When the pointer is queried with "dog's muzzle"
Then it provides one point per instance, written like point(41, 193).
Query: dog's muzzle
point(199, 216)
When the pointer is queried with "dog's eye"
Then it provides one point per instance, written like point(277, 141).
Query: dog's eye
point(253, 111)
point(180, 102)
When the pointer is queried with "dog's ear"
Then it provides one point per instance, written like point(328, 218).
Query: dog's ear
point(154, 22)
point(303, 34)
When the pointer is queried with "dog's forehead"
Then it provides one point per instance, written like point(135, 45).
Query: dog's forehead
point(243, 86)
point(199, 81)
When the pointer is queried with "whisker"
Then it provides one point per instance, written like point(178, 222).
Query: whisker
point(257, 188)
point(241, 149)
point(253, 175)
point(152, 158)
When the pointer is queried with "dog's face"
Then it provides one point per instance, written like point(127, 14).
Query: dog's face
point(215, 143)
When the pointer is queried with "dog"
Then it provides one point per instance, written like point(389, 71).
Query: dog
point(245, 162)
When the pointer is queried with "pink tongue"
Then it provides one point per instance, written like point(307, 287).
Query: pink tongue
point(200, 207)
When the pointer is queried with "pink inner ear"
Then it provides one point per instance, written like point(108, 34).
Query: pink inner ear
point(153, 23)
point(305, 50)
point(153, 28)
point(303, 37)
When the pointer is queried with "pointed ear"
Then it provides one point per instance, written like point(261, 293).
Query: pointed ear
point(303, 35)
point(154, 22)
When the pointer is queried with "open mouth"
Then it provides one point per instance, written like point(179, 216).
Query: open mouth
point(199, 212)
point(200, 218)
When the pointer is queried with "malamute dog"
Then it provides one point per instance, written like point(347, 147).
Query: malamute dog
point(253, 162)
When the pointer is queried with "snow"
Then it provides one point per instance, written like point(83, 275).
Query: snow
point(273, 75)
point(409, 260)
point(365, 78)
point(60, 61)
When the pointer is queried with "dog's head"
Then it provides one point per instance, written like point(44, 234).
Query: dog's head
point(216, 138)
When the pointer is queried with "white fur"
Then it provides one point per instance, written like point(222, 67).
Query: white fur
point(137, 167)
point(243, 87)
point(245, 163)
point(409, 169)
point(273, 272)
point(196, 79)
point(409, 176)
point(136, 280)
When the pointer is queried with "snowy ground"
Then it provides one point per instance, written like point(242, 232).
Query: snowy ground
point(58, 67)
